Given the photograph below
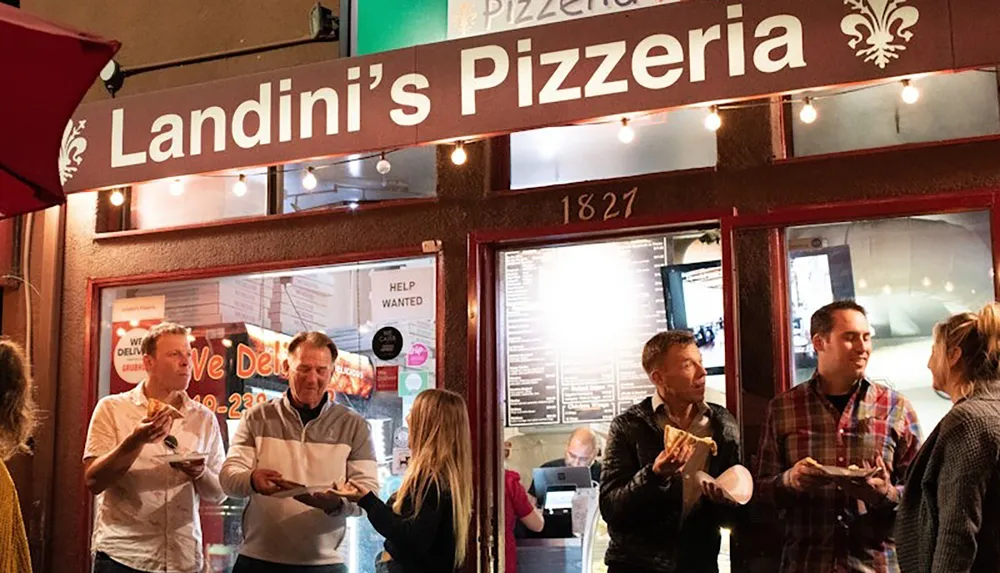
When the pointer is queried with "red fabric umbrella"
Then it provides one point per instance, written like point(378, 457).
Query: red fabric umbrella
point(45, 71)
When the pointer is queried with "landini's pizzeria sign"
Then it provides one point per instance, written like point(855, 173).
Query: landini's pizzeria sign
point(647, 59)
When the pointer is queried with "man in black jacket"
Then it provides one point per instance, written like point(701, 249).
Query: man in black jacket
point(659, 518)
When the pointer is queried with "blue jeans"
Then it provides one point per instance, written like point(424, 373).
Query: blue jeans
point(246, 564)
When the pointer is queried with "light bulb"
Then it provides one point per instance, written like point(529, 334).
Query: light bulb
point(227, 343)
point(713, 121)
point(352, 205)
point(383, 166)
point(886, 289)
point(240, 188)
point(926, 282)
point(626, 134)
point(309, 181)
point(117, 198)
point(133, 323)
point(177, 188)
point(459, 156)
point(121, 332)
point(910, 93)
point(808, 113)
point(862, 283)
point(948, 286)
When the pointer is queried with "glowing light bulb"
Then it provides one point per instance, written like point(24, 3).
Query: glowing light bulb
point(227, 343)
point(309, 180)
point(886, 289)
point(117, 198)
point(862, 283)
point(177, 188)
point(713, 121)
point(121, 332)
point(926, 282)
point(948, 286)
point(808, 114)
point(352, 205)
point(910, 93)
point(240, 188)
point(626, 134)
point(383, 166)
point(133, 323)
point(459, 156)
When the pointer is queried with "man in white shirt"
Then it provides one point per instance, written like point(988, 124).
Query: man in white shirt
point(301, 438)
point(147, 510)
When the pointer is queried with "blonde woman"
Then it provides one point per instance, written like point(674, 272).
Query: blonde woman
point(949, 518)
point(426, 523)
point(17, 420)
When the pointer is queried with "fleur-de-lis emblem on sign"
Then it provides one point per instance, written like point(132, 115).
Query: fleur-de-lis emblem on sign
point(73, 147)
point(879, 29)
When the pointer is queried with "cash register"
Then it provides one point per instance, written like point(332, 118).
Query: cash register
point(556, 489)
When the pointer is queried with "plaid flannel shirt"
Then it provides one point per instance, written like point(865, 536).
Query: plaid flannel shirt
point(828, 531)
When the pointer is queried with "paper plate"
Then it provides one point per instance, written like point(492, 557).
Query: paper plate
point(301, 491)
point(736, 483)
point(179, 458)
point(838, 472)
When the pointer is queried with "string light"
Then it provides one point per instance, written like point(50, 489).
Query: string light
point(309, 180)
point(240, 188)
point(383, 166)
point(713, 121)
point(626, 134)
point(117, 198)
point(459, 156)
point(910, 93)
point(177, 188)
point(808, 114)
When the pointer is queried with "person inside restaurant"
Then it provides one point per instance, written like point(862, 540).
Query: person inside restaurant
point(581, 452)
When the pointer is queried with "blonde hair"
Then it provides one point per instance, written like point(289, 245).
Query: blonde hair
point(164, 328)
point(978, 338)
point(441, 457)
point(17, 408)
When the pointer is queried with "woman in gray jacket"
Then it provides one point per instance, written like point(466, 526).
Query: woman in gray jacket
point(949, 518)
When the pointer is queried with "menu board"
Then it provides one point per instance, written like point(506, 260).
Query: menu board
point(575, 320)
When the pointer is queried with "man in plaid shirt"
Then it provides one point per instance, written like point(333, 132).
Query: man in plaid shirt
point(838, 418)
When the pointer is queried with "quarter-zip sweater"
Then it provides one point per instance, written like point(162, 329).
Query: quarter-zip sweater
point(333, 446)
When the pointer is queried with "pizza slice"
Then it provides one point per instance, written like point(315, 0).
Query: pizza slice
point(154, 406)
point(676, 437)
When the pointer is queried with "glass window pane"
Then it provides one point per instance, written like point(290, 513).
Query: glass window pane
point(951, 106)
point(573, 320)
point(909, 273)
point(356, 180)
point(244, 318)
point(663, 142)
point(167, 202)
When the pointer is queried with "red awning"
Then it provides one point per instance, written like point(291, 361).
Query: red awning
point(45, 70)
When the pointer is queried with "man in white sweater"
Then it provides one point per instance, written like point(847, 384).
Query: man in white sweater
point(301, 438)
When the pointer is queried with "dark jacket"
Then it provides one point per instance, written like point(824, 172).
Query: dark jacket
point(643, 511)
point(421, 543)
point(949, 518)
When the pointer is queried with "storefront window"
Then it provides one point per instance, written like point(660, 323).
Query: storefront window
point(170, 202)
point(355, 180)
point(909, 273)
point(573, 321)
point(951, 106)
point(241, 327)
point(663, 142)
